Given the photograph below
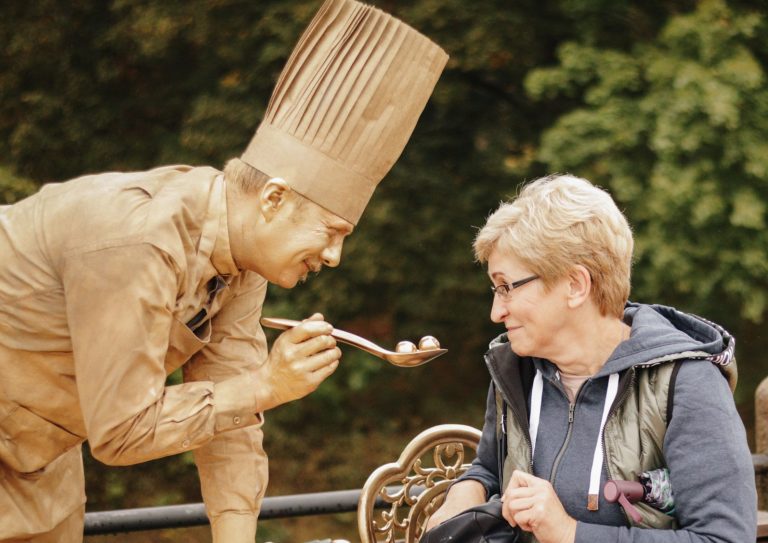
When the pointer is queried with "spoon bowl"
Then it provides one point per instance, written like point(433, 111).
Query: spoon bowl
point(403, 360)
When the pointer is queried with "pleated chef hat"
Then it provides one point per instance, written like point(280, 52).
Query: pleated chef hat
point(345, 105)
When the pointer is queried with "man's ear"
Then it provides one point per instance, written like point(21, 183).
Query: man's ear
point(273, 196)
point(579, 286)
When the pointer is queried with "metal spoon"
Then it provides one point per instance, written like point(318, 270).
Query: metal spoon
point(403, 360)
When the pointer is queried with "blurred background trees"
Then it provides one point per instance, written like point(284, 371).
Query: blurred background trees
point(664, 103)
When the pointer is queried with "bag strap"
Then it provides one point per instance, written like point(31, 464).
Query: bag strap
point(671, 389)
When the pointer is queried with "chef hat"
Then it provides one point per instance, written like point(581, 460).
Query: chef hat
point(345, 105)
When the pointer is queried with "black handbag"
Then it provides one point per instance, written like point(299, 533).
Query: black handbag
point(480, 524)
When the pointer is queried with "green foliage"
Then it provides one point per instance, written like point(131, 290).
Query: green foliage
point(14, 188)
point(676, 129)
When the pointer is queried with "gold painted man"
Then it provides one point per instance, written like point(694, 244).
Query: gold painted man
point(108, 283)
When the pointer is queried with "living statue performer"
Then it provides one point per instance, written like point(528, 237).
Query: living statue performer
point(110, 282)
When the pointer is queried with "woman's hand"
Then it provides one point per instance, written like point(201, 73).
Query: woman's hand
point(460, 497)
point(531, 504)
point(301, 358)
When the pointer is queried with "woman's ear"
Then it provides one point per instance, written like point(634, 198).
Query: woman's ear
point(579, 286)
point(273, 196)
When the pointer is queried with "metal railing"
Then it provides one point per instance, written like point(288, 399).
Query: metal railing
point(193, 514)
point(275, 507)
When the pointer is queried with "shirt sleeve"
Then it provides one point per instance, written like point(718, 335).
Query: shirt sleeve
point(233, 466)
point(485, 466)
point(710, 466)
point(120, 312)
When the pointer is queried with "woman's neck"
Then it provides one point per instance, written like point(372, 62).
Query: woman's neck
point(588, 343)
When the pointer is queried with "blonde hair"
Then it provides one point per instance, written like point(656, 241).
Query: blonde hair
point(560, 221)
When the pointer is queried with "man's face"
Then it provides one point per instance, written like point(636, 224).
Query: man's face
point(282, 236)
point(305, 239)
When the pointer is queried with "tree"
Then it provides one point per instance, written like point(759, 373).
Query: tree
point(676, 128)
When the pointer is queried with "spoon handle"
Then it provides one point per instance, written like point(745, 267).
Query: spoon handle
point(341, 335)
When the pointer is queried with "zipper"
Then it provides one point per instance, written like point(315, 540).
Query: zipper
point(566, 441)
point(522, 421)
point(619, 400)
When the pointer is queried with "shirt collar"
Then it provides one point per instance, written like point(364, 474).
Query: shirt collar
point(221, 257)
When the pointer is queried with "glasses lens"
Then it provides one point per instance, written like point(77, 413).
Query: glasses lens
point(502, 290)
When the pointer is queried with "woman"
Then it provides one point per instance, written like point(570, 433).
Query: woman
point(587, 387)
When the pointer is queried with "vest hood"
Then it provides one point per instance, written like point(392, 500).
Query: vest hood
point(660, 334)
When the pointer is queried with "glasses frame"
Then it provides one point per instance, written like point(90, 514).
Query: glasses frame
point(505, 289)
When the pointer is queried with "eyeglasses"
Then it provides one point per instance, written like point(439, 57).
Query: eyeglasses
point(503, 290)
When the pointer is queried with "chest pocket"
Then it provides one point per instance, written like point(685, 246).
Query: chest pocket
point(184, 344)
point(190, 337)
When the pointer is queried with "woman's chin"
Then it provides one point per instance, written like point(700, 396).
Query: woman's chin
point(518, 347)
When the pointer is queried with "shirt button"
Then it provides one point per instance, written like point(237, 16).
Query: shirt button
point(185, 443)
point(236, 420)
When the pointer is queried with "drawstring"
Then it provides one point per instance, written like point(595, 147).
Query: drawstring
point(597, 458)
point(533, 422)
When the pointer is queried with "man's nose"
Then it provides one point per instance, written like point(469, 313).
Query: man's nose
point(332, 255)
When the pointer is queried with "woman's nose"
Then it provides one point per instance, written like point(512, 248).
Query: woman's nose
point(498, 309)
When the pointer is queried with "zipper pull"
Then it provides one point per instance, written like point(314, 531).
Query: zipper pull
point(504, 422)
point(571, 409)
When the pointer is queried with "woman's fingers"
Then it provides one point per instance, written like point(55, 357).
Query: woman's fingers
point(532, 504)
point(515, 501)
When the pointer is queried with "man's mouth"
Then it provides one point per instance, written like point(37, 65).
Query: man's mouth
point(309, 268)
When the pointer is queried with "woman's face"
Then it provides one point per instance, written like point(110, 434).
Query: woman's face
point(532, 315)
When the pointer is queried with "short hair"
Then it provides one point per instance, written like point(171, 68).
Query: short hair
point(250, 179)
point(245, 176)
point(560, 221)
